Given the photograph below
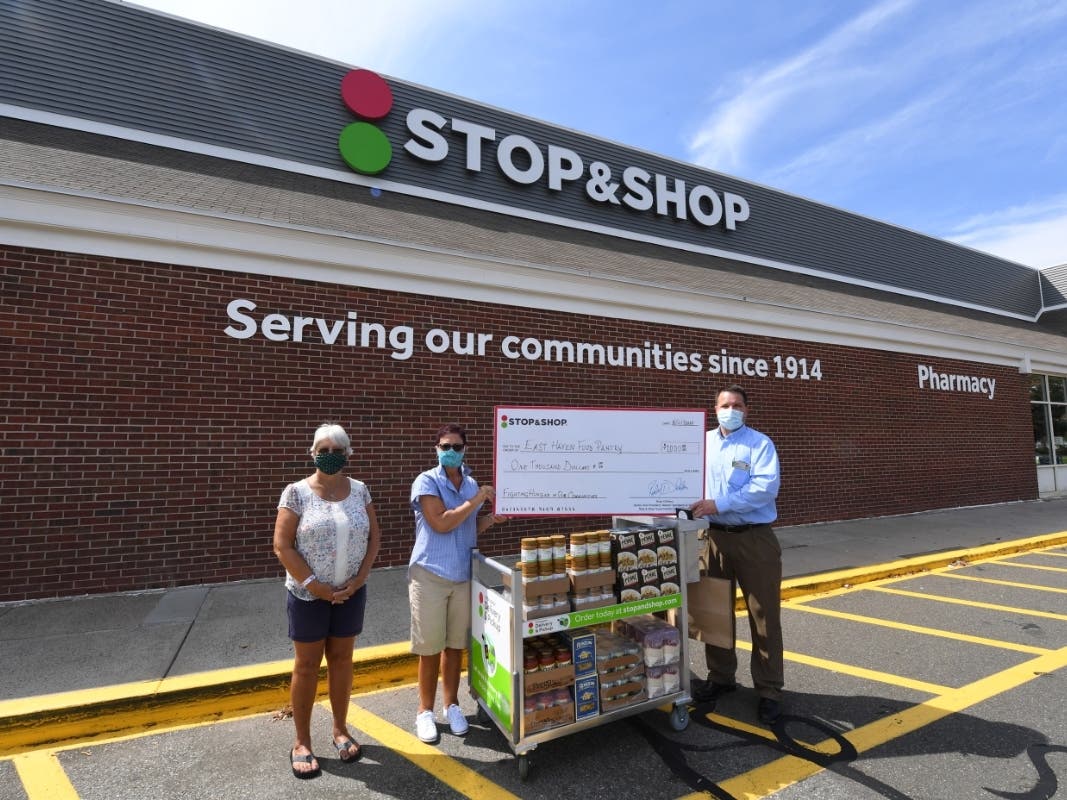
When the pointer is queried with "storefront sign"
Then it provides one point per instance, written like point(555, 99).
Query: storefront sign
point(948, 382)
point(402, 341)
point(433, 138)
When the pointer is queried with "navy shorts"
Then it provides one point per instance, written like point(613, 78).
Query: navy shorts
point(315, 620)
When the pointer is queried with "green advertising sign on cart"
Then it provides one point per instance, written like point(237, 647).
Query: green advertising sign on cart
point(491, 659)
point(599, 616)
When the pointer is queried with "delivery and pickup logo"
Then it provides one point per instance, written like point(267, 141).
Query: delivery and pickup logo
point(363, 146)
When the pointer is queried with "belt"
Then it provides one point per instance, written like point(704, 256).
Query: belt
point(736, 528)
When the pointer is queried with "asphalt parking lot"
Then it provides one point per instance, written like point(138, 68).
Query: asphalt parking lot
point(943, 684)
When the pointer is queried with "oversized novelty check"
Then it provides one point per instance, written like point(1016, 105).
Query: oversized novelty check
point(551, 461)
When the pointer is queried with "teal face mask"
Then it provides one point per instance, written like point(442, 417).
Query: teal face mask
point(330, 463)
point(449, 458)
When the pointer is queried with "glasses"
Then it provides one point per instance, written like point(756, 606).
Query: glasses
point(337, 451)
point(449, 446)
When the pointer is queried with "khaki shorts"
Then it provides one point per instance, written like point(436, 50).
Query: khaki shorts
point(440, 612)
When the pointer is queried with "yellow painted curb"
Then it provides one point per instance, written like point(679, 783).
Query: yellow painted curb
point(32, 723)
point(52, 720)
point(827, 581)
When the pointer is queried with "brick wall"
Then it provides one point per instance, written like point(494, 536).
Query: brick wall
point(143, 447)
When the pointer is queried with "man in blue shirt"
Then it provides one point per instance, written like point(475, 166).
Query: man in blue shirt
point(741, 485)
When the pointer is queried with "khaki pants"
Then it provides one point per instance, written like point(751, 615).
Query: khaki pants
point(754, 559)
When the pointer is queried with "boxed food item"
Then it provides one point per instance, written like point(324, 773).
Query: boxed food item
point(628, 585)
point(583, 651)
point(668, 579)
point(666, 537)
point(650, 581)
point(586, 697)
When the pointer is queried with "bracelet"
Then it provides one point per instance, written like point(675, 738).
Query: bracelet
point(308, 581)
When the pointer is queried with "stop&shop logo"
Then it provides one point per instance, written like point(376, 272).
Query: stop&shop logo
point(363, 146)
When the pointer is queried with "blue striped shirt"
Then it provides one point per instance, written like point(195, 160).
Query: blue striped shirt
point(447, 555)
point(741, 476)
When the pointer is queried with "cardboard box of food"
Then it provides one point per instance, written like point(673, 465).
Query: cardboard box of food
point(619, 662)
point(614, 705)
point(591, 578)
point(535, 721)
point(619, 673)
point(545, 679)
point(539, 587)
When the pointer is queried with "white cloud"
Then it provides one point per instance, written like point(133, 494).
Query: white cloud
point(718, 143)
point(1034, 234)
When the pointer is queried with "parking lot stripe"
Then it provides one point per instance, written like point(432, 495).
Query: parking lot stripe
point(426, 757)
point(997, 582)
point(1020, 565)
point(904, 626)
point(859, 672)
point(789, 770)
point(937, 598)
point(43, 777)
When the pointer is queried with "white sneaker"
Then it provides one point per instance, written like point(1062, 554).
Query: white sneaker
point(426, 727)
point(455, 719)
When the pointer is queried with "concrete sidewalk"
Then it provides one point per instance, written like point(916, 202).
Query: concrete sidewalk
point(136, 643)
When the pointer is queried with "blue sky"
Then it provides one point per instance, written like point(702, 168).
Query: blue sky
point(943, 116)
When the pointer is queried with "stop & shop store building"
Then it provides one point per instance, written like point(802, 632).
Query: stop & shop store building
point(210, 244)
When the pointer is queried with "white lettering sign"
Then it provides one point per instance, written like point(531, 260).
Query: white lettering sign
point(947, 382)
point(523, 161)
point(401, 340)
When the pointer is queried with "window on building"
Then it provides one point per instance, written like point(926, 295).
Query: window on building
point(1048, 407)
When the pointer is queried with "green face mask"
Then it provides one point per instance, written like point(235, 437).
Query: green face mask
point(330, 463)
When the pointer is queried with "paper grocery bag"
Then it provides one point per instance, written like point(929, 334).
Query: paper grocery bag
point(711, 611)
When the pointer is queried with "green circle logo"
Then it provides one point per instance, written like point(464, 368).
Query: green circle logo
point(364, 148)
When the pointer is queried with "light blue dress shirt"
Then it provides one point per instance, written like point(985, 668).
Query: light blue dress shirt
point(741, 476)
point(447, 555)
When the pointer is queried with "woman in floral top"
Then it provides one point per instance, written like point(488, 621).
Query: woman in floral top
point(326, 536)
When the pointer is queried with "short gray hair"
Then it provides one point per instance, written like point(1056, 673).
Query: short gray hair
point(333, 432)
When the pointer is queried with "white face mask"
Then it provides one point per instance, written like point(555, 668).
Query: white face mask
point(730, 418)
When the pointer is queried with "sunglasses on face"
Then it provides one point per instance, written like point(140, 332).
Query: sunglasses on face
point(449, 446)
point(337, 451)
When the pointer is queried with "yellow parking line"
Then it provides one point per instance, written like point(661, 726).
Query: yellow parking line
point(426, 757)
point(43, 777)
point(859, 672)
point(996, 582)
point(786, 771)
point(937, 598)
point(1027, 566)
point(738, 725)
point(903, 626)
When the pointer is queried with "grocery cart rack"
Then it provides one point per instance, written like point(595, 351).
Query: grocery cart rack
point(504, 617)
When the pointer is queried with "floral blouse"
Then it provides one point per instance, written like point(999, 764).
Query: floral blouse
point(331, 536)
